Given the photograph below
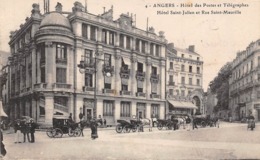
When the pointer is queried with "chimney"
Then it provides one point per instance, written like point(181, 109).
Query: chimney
point(191, 48)
point(58, 7)
point(170, 45)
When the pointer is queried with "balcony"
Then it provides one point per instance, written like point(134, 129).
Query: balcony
point(62, 85)
point(171, 84)
point(108, 69)
point(88, 89)
point(40, 86)
point(128, 93)
point(140, 75)
point(124, 72)
point(155, 96)
point(109, 91)
point(140, 94)
point(61, 61)
point(154, 78)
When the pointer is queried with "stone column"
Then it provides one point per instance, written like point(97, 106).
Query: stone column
point(133, 109)
point(70, 107)
point(78, 105)
point(133, 76)
point(117, 110)
point(99, 34)
point(140, 46)
point(148, 78)
point(133, 43)
point(99, 68)
point(162, 111)
point(117, 37)
point(49, 108)
point(88, 31)
point(49, 64)
point(37, 65)
point(34, 109)
point(154, 49)
point(161, 83)
point(108, 36)
point(79, 77)
point(118, 61)
point(124, 42)
point(148, 110)
point(99, 108)
point(148, 48)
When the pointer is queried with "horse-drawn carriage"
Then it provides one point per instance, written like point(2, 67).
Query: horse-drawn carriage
point(62, 126)
point(167, 123)
point(204, 120)
point(127, 125)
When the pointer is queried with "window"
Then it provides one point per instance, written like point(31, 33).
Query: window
point(198, 58)
point(258, 94)
point(61, 75)
point(42, 52)
point(154, 88)
point(151, 48)
point(190, 69)
point(42, 74)
point(84, 31)
point(182, 93)
point(190, 81)
point(155, 110)
point(125, 109)
point(171, 65)
point(61, 51)
point(104, 36)
point(140, 86)
point(108, 108)
point(139, 67)
point(93, 33)
point(171, 92)
point(61, 100)
point(189, 92)
point(88, 57)
point(198, 70)
point(121, 40)
point(171, 78)
point(124, 87)
point(137, 47)
point(154, 70)
point(111, 38)
point(107, 59)
point(198, 82)
point(182, 68)
point(42, 111)
point(182, 55)
point(258, 77)
point(143, 46)
point(182, 80)
point(88, 80)
point(128, 42)
point(107, 86)
point(157, 52)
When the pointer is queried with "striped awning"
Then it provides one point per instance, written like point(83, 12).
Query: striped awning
point(182, 104)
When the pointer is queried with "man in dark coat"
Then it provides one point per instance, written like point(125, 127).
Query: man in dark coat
point(32, 130)
point(25, 129)
point(2, 147)
point(93, 127)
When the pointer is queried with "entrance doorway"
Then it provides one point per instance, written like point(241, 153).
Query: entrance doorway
point(88, 113)
point(140, 114)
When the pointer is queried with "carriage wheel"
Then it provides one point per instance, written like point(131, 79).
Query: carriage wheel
point(203, 124)
point(50, 133)
point(71, 132)
point(77, 132)
point(58, 133)
point(134, 129)
point(126, 129)
point(168, 126)
point(119, 128)
point(159, 126)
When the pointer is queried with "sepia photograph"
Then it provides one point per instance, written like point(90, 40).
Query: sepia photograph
point(129, 80)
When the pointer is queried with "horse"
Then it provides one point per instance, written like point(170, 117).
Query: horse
point(146, 121)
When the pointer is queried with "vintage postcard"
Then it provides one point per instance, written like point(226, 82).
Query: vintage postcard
point(139, 79)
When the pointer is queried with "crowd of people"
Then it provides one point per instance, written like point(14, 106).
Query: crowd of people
point(24, 131)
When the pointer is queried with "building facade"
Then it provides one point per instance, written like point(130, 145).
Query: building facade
point(59, 65)
point(244, 88)
point(184, 75)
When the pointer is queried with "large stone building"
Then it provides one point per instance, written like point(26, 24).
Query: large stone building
point(184, 75)
point(244, 89)
point(52, 69)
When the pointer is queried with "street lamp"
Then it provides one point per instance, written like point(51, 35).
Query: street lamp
point(85, 67)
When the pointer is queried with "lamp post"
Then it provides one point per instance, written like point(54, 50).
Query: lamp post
point(85, 67)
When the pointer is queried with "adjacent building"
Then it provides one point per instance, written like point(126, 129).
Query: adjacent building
point(244, 95)
point(184, 76)
point(59, 59)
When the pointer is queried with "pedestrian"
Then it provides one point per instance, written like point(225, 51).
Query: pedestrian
point(17, 130)
point(189, 122)
point(93, 127)
point(81, 126)
point(2, 146)
point(33, 126)
point(25, 129)
point(194, 122)
point(81, 116)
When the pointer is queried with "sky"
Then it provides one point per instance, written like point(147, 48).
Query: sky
point(217, 37)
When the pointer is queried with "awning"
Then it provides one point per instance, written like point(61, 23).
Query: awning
point(182, 104)
point(127, 61)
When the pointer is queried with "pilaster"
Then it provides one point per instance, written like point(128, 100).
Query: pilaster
point(133, 109)
point(148, 110)
point(49, 108)
point(118, 61)
point(117, 110)
point(147, 78)
point(133, 76)
point(49, 64)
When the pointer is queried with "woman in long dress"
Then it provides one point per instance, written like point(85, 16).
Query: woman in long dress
point(93, 127)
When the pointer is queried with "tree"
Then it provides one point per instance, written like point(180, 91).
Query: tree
point(220, 86)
